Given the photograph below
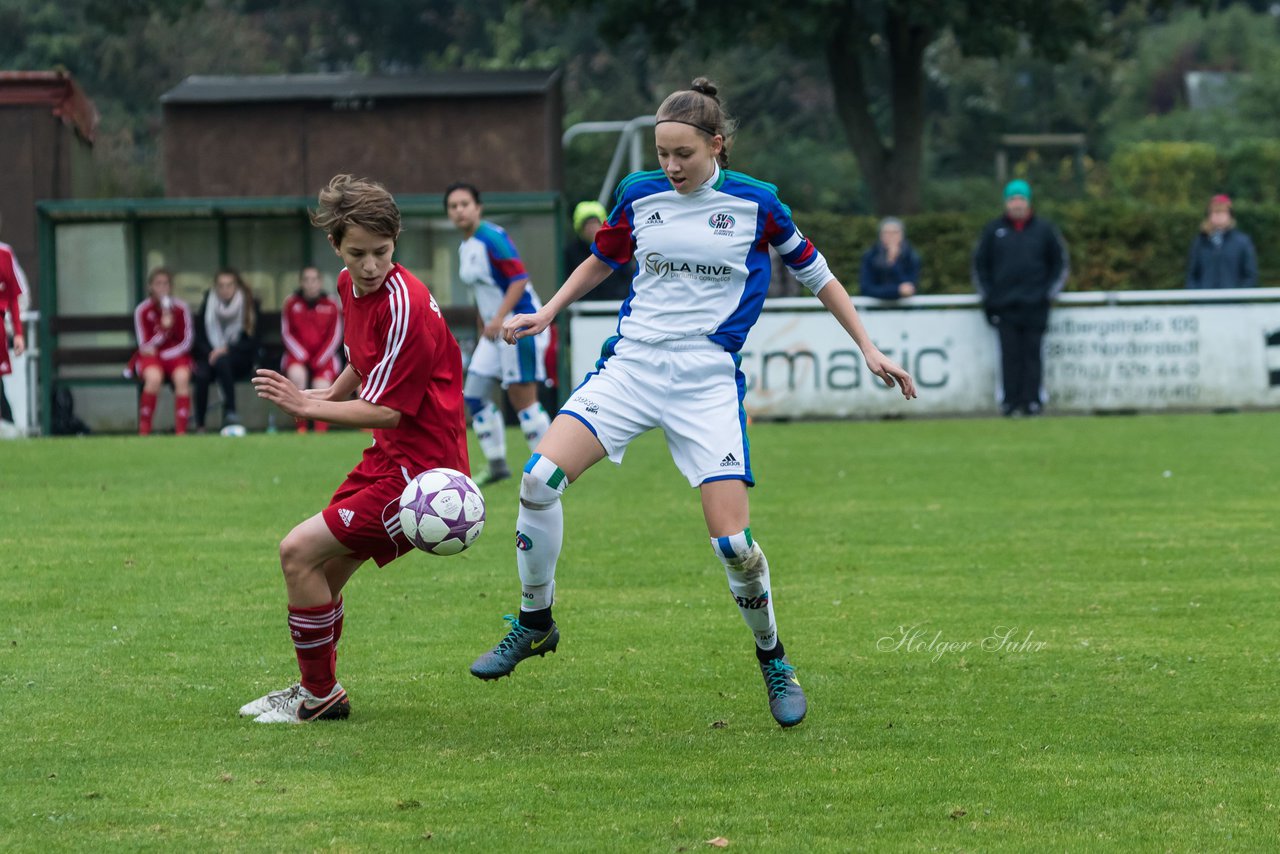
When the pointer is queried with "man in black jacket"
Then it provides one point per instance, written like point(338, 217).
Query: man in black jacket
point(1019, 266)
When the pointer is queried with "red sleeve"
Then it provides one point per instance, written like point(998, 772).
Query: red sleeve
point(401, 377)
point(182, 324)
point(334, 332)
point(10, 301)
point(148, 333)
point(291, 343)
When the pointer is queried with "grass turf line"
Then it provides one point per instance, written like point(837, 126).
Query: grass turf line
point(141, 604)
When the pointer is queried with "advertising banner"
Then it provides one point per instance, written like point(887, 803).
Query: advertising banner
point(1107, 357)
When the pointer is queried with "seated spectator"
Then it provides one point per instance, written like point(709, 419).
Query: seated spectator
point(13, 287)
point(311, 326)
point(1221, 255)
point(587, 219)
point(163, 325)
point(891, 268)
point(227, 349)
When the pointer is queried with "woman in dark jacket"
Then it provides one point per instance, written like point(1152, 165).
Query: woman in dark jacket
point(891, 268)
point(1221, 255)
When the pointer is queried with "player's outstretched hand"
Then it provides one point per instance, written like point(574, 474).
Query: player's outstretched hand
point(889, 372)
point(524, 325)
point(278, 389)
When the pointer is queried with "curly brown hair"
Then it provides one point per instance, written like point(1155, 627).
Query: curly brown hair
point(349, 201)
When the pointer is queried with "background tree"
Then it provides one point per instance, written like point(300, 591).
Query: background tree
point(874, 53)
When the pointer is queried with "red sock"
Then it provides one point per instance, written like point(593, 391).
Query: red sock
point(181, 414)
point(312, 630)
point(301, 424)
point(322, 426)
point(146, 409)
point(337, 629)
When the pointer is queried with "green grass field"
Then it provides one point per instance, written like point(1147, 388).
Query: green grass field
point(1133, 561)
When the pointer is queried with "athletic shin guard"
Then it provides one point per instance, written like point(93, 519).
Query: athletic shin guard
point(534, 422)
point(539, 531)
point(748, 573)
point(490, 432)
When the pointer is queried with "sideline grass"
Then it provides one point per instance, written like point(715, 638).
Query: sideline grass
point(140, 605)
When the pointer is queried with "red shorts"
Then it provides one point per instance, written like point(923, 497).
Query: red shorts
point(5, 367)
point(318, 369)
point(140, 363)
point(364, 514)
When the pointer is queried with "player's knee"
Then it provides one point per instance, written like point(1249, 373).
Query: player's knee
point(535, 494)
point(476, 390)
point(542, 484)
point(740, 554)
point(294, 554)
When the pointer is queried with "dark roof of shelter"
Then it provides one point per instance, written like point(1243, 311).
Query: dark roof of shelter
point(200, 89)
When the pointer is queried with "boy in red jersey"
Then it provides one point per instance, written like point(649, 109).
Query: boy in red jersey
point(311, 326)
point(162, 323)
point(407, 367)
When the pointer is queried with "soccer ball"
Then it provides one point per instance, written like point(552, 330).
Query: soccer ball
point(442, 511)
point(235, 431)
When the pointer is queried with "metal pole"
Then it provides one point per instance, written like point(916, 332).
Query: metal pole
point(48, 309)
point(637, 156)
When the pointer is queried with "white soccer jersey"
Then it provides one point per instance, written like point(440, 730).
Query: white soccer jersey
point(489, 264)
point(702, 258)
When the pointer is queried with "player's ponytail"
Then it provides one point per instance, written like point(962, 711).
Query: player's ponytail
point(699, 106)
point(348, 201)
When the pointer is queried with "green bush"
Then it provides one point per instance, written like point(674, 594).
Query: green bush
point(1168, 173)
point(1115, 244)
point(1252, 167)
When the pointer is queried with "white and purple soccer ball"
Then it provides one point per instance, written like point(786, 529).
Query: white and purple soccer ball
point(442, 511)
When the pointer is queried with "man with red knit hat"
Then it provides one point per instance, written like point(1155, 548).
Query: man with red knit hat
point(1222, 256)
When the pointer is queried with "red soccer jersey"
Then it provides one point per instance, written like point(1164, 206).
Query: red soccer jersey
point(12, 284)
point(312, 332)
point(396, 340)
point(170, 343)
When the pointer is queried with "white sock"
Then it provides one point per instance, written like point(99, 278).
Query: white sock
point(491, 433)
point(748, 574)
point(534, 422)
point(539, 532)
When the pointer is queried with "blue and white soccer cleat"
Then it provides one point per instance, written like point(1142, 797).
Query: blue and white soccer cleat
point(786, 697)
point(520, 643)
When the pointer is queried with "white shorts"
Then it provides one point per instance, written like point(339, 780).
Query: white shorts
point(691, 388)
point(522, 362)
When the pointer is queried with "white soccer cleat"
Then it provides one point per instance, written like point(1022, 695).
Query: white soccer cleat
point(271, 701)
point(303, 707)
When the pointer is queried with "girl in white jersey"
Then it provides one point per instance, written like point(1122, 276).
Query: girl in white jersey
point(700, 236)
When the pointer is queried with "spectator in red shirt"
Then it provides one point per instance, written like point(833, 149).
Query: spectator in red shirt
point(162, 323)
point(311, 326)
point(13, 284)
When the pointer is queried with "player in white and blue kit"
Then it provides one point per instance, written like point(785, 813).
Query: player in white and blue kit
point(700, 236)
point(490, 266)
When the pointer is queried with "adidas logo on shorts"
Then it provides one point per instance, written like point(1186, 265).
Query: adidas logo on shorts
point(729, 461)
point(655, 218)
point(347, 515)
